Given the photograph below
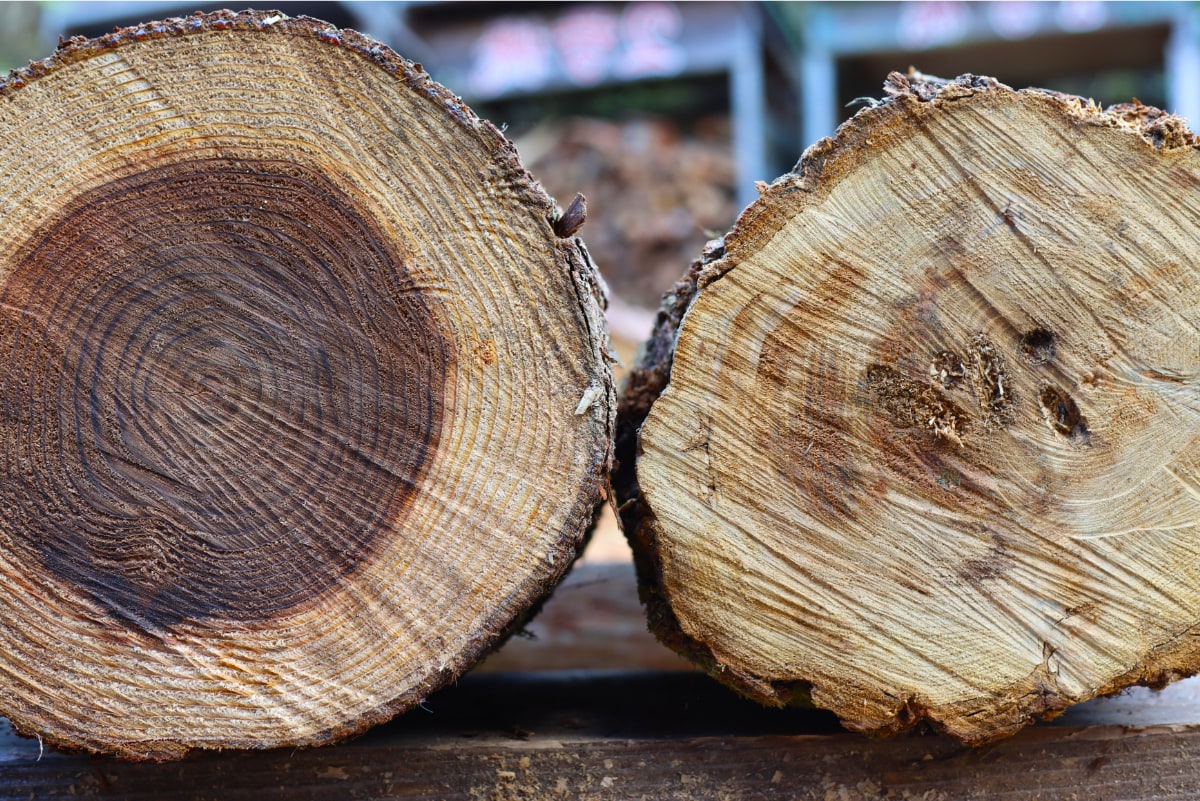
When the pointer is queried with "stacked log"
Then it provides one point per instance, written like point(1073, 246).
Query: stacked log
point(917, 440)
point(285, 331)
point(656, 189)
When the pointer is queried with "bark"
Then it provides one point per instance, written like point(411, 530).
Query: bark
point(916, 440)
point(305, 387)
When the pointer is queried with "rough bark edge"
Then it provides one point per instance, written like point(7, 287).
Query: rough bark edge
point(591, 295)
point(821, 165)
point(646, 382)
point(915, 95)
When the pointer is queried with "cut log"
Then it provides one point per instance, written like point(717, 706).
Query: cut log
point(305, 402)
point(919, 437)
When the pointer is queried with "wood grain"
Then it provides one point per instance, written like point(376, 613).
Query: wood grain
point(285, 329)
point(917, 438)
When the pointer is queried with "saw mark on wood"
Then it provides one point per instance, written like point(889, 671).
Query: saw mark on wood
point(704, 443)
point(993, 565)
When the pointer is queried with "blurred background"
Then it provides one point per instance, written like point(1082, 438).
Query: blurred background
point(664, 115)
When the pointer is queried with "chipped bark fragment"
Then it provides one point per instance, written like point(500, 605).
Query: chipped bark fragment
point(950, 413)
point(947, 369)
point(993, 386)
point(572, 219)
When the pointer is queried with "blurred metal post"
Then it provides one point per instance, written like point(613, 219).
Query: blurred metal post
point(748, 103)
point(1181, 65)
point(818, 79)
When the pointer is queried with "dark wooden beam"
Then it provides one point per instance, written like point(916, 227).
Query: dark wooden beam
point(642, 735)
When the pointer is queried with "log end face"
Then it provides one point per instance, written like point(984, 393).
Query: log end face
point(256, 474)
point(912, 427)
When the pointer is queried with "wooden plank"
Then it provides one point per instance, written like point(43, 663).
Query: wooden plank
point(652, 736)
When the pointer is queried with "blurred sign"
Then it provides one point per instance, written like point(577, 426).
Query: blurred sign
point(1082, 15)
point(512, 54)
point(651, 33)
point(586, 40)
point(925, 24)
point(584, 46)
point(1017, 19)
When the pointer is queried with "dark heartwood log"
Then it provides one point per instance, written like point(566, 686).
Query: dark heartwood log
point(285, 334)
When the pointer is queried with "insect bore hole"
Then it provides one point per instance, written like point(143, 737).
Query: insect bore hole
point(1037, 346)
point(1062, 413)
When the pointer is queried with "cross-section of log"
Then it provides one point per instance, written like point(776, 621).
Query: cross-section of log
point(304, 392)
point(928, 439)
